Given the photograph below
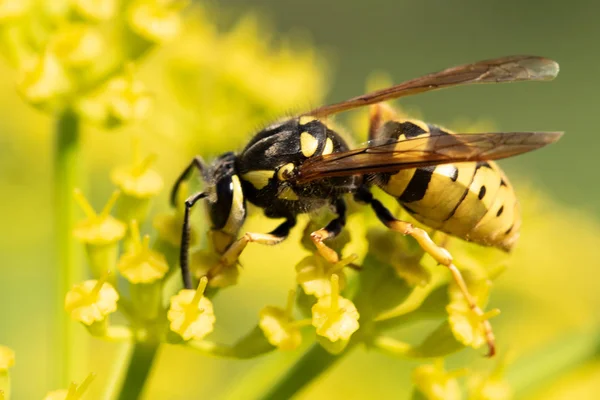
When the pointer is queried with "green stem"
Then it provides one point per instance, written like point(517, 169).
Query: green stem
point(309, 367)
point(66, 167)
point(138, 370)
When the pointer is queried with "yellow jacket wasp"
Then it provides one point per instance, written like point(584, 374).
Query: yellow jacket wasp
point(445, 180)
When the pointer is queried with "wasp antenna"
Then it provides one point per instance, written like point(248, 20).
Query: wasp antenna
point(197, 163)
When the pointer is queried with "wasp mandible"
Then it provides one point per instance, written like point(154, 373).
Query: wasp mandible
point(445, 180)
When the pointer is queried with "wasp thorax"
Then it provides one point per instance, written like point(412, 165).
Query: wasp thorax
point(286, 172)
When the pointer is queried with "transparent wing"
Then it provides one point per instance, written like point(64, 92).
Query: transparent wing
point(424, 151)
point(505, 69)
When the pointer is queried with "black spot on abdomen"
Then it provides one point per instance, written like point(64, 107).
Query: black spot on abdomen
point(417, 187)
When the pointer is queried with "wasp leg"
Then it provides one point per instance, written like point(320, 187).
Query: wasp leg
point(378, 114)
point(197, 163)
point(234, 251)
point(440, 254)
point(185, 239)
point(330, 231)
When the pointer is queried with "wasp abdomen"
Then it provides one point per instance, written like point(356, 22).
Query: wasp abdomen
point(473, 201)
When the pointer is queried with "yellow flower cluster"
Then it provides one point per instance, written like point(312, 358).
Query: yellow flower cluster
point(79, 54)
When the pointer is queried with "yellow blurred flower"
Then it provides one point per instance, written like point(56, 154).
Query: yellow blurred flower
point(191, 314)
point(138, 179)
point(10, 9)
point(43, 80)
point(98, 229)
point(278, 325)
point(7, 358)
point(155, 20)
point(95, 9)
point(313, 274)
point(435, 383)
point(467, 326)
point(128, 99)
point(335, 317)
point(77, 44)
point(140, 264)
point(73, 393)
point(207, 262)
point(91, 301)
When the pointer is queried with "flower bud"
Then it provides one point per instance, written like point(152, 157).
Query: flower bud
point(138, 183)
point(91, 302)
point(313, 274)
point(191, 314)
point(335, 317)
point(100, 233)
point(279, 326)
point(73, 393)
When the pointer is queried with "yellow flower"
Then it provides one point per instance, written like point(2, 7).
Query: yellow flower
point(435, 383)
point(468, 327)
point(207, 262)
point(7, 358)
point(491, 386)
point(91, 301)
point(98, 229)
point(191, 314)
point(73, 393)
point(77, 44)
point(138, 179)
point(10, 9)
point(127, 98)
point(43, 79)
point(95, 9)
point(335, 317)
point(155, 20)
point(141, 264)
point(314, 274)
point(279, 326)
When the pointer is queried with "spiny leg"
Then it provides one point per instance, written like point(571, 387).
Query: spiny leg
point(441, 255)
point(330, 231)
point(185, 239)
point(234, 251)
point(197, 163)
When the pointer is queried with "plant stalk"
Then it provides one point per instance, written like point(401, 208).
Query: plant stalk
point(138, 370)
point(66, 171)
point(307, 369)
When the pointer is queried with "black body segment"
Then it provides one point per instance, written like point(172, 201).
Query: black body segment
point(269, 163)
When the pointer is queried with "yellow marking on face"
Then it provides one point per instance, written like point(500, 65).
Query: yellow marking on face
point(285, 171)
point(305, 119)
point(328, 149)
point(259, 179)
point(236, 214)
point(287, 194)
point(308, 144)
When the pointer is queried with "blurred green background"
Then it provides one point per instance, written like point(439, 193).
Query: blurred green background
point(555, 289)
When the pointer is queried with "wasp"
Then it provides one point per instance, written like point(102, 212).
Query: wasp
point(447, 181)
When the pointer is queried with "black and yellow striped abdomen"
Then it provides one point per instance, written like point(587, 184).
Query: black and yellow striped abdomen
point(473, 201)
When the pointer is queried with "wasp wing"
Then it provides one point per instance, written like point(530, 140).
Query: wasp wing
point(423, 151)
point(505, 69)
